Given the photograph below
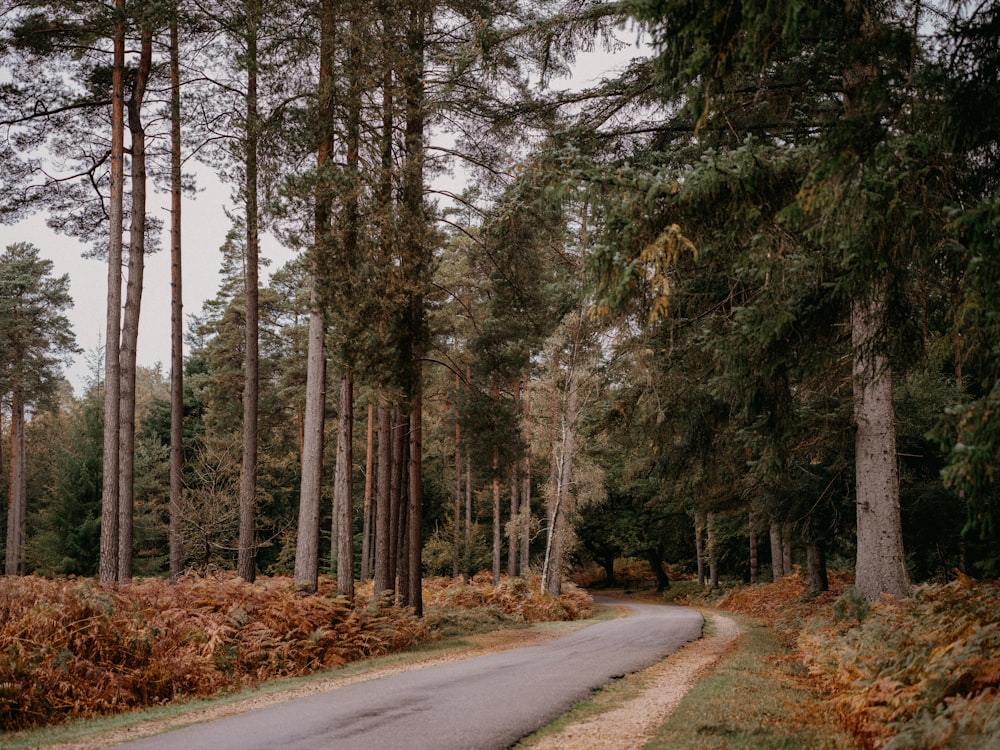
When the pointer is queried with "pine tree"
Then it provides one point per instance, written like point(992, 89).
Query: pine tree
point(35, 338)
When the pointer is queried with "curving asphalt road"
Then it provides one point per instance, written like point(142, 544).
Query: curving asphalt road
point(485, 702)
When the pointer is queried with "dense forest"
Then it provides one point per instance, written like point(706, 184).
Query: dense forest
point(730, 309)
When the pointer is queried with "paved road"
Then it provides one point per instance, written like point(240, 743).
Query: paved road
point(486, 702)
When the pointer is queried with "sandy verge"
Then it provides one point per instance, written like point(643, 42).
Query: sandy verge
point(633, 724)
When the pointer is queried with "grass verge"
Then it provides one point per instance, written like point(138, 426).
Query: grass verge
point(757, 698)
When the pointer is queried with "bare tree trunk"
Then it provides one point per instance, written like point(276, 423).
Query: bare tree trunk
point(366, 521)
point(311, 483)
point(383, 504)
point(495, 570)
point(881, 564)
point(563, 470)
point(468, 519)
point(777, 553)
point(816, 564)
point(343, 488)
point(457, 535)
point(133, 301)
point(754, 564)
point(699, 546)
point(17, 507)
point(246, 562)
point(526, 483)
point(415, 516)
point(176, 312)
point(786, 547)
point(496, 497)
point(515, 491)
point(713, 566)
point(108, 566)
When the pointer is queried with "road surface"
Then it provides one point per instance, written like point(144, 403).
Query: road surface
point(485, 702)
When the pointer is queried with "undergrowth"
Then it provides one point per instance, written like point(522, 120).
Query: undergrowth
point(74, 648)
point(919, 674)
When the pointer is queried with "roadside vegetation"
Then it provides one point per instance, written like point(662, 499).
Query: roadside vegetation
point(73, 649)
point(833, 671)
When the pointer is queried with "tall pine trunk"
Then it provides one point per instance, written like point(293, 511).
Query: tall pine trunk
point(526, 482)
point(17, 506)
point(246, 560)
point(176, 542)
point(133, 303)
point(343, 488)
point(367, 527)
point(383, 504)
point(310, 488)
point(881, 565)
point(108, 564)
point(306, 572)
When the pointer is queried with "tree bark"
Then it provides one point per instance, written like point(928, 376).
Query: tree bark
point(526, 482)
point(343, 488)
point(383, 504)
point(777, 554)
point(415, 506)
point(311, 483)
point(699, 545)
point(108, 565)
point(515, 491)
point(754, 564)
point(713, 565)
point(786, 548)
point(133, 302)
point(881, 564)
point(17, 506)
point(457, 535)
point(654, 557)
point(176, 542)
point(246, 562)
point(366, 521)
point(816, 564)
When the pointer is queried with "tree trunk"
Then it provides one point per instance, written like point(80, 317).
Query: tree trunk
point(17, 506)
point(343, 490)
point(563, 477)
point(468, 520)
point(777, 554)
point(754, 565)
point(108, 566)
point(881, 565)
point(383, 504)
point(366, 521)
point(457, 535)
point(515, 491)
point(311, 483)
point(786, 548)
point(713, 566)
point(246, 562)
point(526, 483)
point(495, 570)
point(816, 564)
point(654, 557)
point(699, 546)
point(133, 302)
point(415, 519)
point(176, 542)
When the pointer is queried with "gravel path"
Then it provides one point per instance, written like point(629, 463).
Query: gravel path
point(633, 724)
